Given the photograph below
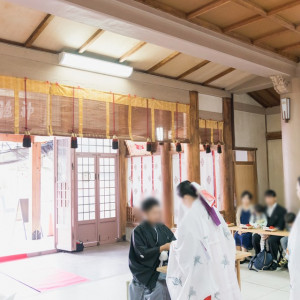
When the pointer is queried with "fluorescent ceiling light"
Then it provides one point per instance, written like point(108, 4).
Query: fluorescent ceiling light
point(94, 65)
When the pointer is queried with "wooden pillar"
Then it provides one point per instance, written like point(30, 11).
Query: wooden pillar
point(36, 186)
point(192, 149)
point(227, 170)
point(167, 195)
point(122, 188)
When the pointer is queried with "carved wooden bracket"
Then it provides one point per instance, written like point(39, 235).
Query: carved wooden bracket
point(281, 84)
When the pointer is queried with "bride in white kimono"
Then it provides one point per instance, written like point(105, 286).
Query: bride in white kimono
point(202, 259)
point(294, 257)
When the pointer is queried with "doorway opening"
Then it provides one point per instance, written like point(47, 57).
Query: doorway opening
point(96, 171)
point(26, 195)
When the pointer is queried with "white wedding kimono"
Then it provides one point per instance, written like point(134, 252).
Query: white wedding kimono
point(294, 259)
point(202, 259)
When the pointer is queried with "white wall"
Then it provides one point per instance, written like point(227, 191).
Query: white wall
point(250, 132)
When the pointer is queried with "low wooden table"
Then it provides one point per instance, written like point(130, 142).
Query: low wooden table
point(239, 256)
point(260, 231)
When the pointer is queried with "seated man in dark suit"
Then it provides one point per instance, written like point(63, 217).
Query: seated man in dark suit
point(275, 215)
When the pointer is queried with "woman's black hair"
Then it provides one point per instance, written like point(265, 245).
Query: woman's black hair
point(248, 194)
point(186, 188)
point(298, 180)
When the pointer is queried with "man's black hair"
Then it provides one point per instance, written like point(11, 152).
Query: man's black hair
point(290, 218)
point(270, 193)
point(149, 203)
point(259, 208)
point(247, 194)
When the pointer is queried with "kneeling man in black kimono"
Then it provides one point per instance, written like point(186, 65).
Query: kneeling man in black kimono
point(148, 241)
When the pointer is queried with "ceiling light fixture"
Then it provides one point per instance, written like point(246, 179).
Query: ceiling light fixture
point(94, 65)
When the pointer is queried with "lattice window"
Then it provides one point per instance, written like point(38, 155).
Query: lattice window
point(86, 188)
point(107, 187)
point(89, 145)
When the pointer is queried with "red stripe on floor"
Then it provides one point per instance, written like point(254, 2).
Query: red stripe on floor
point(12, 257)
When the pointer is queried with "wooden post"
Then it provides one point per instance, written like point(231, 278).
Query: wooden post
point(167, 195)
point(192, 149)
point(227, 170)
point(122, 188)
point(36, 186)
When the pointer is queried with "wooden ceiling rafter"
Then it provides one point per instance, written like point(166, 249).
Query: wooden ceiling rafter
point(269, 35)
point(193, 69)
point(283, 7)
point(266, 97)
point(258, 99)
point(164, 61)
point(94, 37)
point(206, 8)
point(242, 23)
point(131, 51)
point(218, 76)
point(38, 31)
point(229, 30)
point(273, 17)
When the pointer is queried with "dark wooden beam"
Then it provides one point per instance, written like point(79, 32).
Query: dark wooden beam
point(166, 174)
point(38, 31)
point(206, 8)
point(90, 41)
point(256, 96)
point(164, 61)
point(122, 187)
point(131, 51)
point(226, 166)
point(270, 136)
point(243, 23)
point(283, 7)
point(193, 149)
point(193, 69)
point(214, 78)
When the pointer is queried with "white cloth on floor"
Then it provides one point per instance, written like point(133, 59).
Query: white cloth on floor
point(294, 259)
point(202, 259)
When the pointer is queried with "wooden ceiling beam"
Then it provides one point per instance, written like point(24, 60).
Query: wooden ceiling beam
point(270, 35)
point(258, 99)
point(275, 99)
point(131, 51)
point(38, 31)
point(218, 76)
point(273, 17)
point(90, 41)
point(193, 69)
point(290, 47)
point(243, 23)
point(164, 61)
point(283, 7)
point(206, 8)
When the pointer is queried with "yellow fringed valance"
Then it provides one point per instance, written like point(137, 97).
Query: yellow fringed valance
point(211, 131)
point(50, 112)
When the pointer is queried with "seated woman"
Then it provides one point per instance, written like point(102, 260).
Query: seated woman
point(243, 241)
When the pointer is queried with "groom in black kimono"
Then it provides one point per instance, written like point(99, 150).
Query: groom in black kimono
point(148, 241)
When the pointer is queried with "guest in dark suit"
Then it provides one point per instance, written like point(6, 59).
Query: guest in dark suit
point(275, 215)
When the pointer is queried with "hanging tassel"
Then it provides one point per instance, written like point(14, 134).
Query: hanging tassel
point(178, 147)
point(74, 143)
point(27, 139)
point(149, 145)
point(207, 148)
point(219, 148)
point(115, 143)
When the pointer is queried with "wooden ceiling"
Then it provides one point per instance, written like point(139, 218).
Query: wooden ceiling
point(266, 98)
point(270, 24)
point(36, 30)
